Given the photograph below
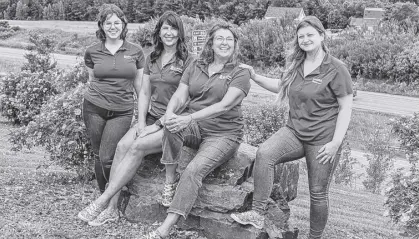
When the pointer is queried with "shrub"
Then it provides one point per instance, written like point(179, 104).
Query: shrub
point(380, 160)
point(403, 192)
point(405, 68)
point(59, 128)
point(262, 121)
point(23, 94)
point(344, 173)
point(6, 31)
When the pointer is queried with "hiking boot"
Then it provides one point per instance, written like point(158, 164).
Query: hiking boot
point(107, 215)
point(250, 217)
point(90, 212)
point(169, 191)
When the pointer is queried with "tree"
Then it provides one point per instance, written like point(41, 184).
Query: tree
point(402, 11)
point(19, 10)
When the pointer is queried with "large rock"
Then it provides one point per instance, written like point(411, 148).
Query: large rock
point(228, 189)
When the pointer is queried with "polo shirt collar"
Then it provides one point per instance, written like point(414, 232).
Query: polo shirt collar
point(324, 66)
point(228, 67)
point(124, 47)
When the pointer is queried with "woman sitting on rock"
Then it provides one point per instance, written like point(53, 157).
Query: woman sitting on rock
point(212, 123)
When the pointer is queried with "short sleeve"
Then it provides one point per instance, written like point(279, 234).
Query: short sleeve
point(140, 62)
point(88, 59)
point(147, 65)
point(341, 85)
point(187, 74)
point(241, 80)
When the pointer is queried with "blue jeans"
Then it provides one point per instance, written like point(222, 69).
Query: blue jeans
point(283, 147)
point(212, 152)
point(105, 128)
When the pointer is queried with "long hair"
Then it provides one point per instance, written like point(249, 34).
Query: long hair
point(207, 54)
point(173, 20)
point(105, 12)
point(296, 55)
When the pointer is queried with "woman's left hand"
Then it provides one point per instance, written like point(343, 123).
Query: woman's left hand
point(327, 153)
point(176, 123)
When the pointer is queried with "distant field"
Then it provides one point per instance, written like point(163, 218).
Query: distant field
point(68, 26)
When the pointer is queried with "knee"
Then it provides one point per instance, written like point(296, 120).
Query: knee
point(137, 148)
point(122, 147)
point(192, 174)
point(319, 193)
point(263, 154)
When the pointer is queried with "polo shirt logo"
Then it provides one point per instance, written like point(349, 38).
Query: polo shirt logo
point(317, 81)
point(225, 77)
point(176, 69)
point(128, 57)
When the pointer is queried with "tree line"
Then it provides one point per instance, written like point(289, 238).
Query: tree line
point(236, 11)
point(332, 13)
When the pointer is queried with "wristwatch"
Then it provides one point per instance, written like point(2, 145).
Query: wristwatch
point(158, 123)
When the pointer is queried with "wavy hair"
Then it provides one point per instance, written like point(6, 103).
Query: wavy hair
point(105, 12)
point(207, 54)
point(296, 55)
point(173, 20)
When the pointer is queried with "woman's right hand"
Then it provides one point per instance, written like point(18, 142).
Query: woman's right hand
point(250, 68)
point(138, 129)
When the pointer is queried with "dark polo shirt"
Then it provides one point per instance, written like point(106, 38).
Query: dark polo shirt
point(112, 87)
point(205, 91)
point(164, 82)
point(313, 100)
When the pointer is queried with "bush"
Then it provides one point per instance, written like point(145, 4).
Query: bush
point(380, 160)
point(403, 192)
point(24, 93)
point(344, 173)
point(405, 68)
point(262, 121)
point(6, 31)
point(60, 129)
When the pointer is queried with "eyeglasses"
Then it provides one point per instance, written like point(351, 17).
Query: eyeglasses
point(108, 25)
point(222, 39)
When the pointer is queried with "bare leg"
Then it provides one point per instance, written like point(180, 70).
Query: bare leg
point(128, 166)
point(168, 223)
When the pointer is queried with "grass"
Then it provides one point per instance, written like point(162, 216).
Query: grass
point(10, 65)
point(354, 214)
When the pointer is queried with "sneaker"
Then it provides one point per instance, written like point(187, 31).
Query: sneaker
point(90, 212)
point(169, 191)
point(154, 235)
point(250, 217)
point(108, 215)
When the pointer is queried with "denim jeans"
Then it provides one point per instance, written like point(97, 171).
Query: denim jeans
point(283, 147)
point(212, 152)
point(105, 128)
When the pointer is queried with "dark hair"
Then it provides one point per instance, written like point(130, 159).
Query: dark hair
point(207, 54)
point(173, 20)
point(296, 55)
point(105, 11)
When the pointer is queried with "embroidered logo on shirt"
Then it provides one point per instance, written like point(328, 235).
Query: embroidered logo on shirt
point(128, 57)
point(225, 77)
point(176, 69)
point(317, 81)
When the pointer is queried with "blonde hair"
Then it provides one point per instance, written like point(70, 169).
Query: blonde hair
point(296, 55)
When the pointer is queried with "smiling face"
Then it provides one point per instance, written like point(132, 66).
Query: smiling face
point(309, 39)
point(113, 27)
point(169, 35)
point(223, 43)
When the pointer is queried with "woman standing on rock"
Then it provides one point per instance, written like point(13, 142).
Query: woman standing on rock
point(212, 124)
point(115, 69)
point(319, 89)
point(162, 72)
